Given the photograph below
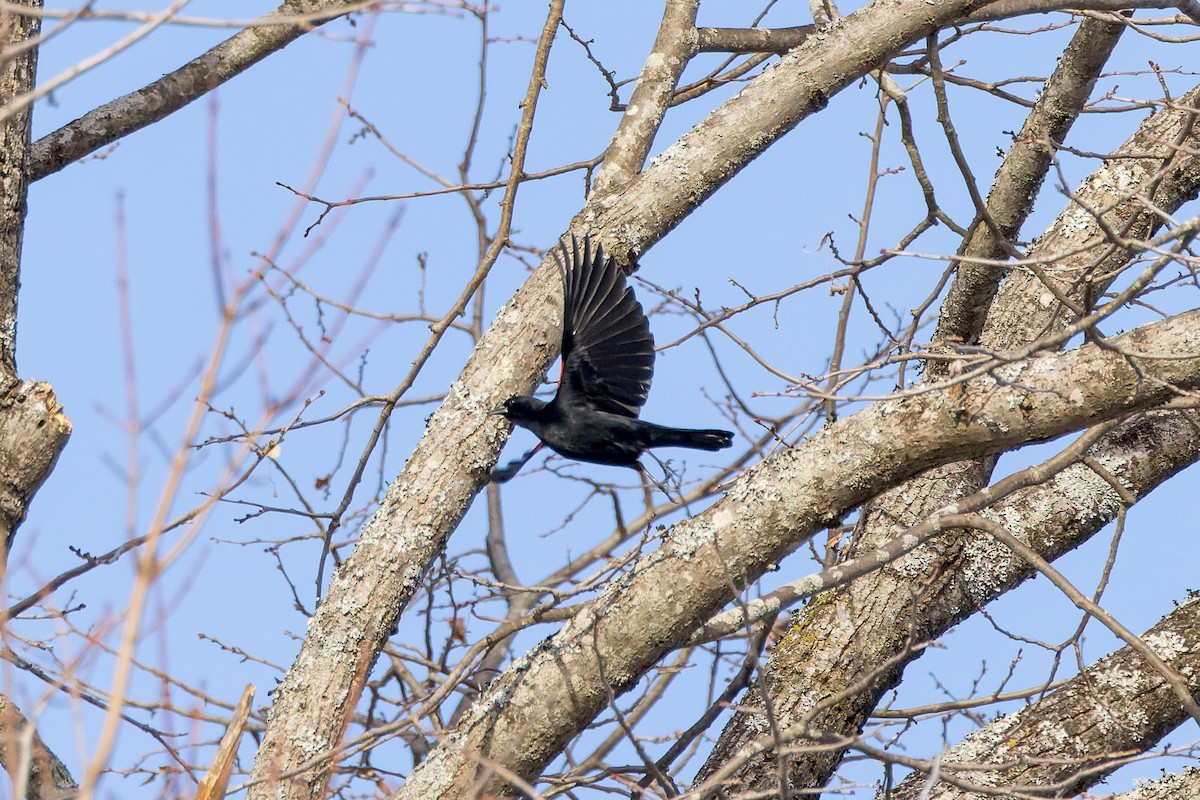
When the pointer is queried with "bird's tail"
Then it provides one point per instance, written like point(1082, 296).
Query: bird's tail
point(710, 439)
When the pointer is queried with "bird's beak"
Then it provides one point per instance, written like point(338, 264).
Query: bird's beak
point(497, 411)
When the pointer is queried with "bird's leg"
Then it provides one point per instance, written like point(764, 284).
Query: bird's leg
point(669, 474)
point(506, 473)
point(648, 479)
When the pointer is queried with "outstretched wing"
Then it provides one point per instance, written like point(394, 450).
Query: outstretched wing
point(607, 349)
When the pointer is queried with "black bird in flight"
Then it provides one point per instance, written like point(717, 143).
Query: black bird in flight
point(607, 363)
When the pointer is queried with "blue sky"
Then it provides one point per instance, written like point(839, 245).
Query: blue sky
point(415, 83)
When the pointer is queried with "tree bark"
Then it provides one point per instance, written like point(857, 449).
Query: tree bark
point(821, 656)
point(427, 500)
point(1183, 785)
point(33, 429)
point(919, 597)
point(18, 64)
point(36, 772)
point(1079, 733)
point(545, 698)
point(630, 144)
point(1019, 180)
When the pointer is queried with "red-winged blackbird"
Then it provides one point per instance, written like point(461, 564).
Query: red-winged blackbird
point(608, 359)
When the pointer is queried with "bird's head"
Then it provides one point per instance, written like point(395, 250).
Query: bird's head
point(517, 409)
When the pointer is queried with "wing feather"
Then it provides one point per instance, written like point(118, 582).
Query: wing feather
point(607, 348)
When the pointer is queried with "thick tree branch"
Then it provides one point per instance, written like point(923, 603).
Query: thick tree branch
point(427, 500)
point(283, 766)
point(1020, 178)
point(544, 699)
point(751, 40)
point(1072, 738)
point(1184, 785)
point(943, 582)
point(17, 68)
point(630, 144)
point(780, 40)
point(124, 115)
point(1144, 452)
point(943, 577)
point(1007, 9)
point(33, 429)
point(36, 772)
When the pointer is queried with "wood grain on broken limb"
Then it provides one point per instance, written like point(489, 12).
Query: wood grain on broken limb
point(33, 431)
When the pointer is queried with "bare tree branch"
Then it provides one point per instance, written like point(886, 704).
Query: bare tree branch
point(16, 77)
point(461, 442)
point(36, 772)
point(1183, 785)
point(1007, 9)
point(1079, 733)
point(798, 675)
point(547, 697)
point(216, 780)
point(751, 40)
point(1020, 178)
point(630, 143)
point(134, 111)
